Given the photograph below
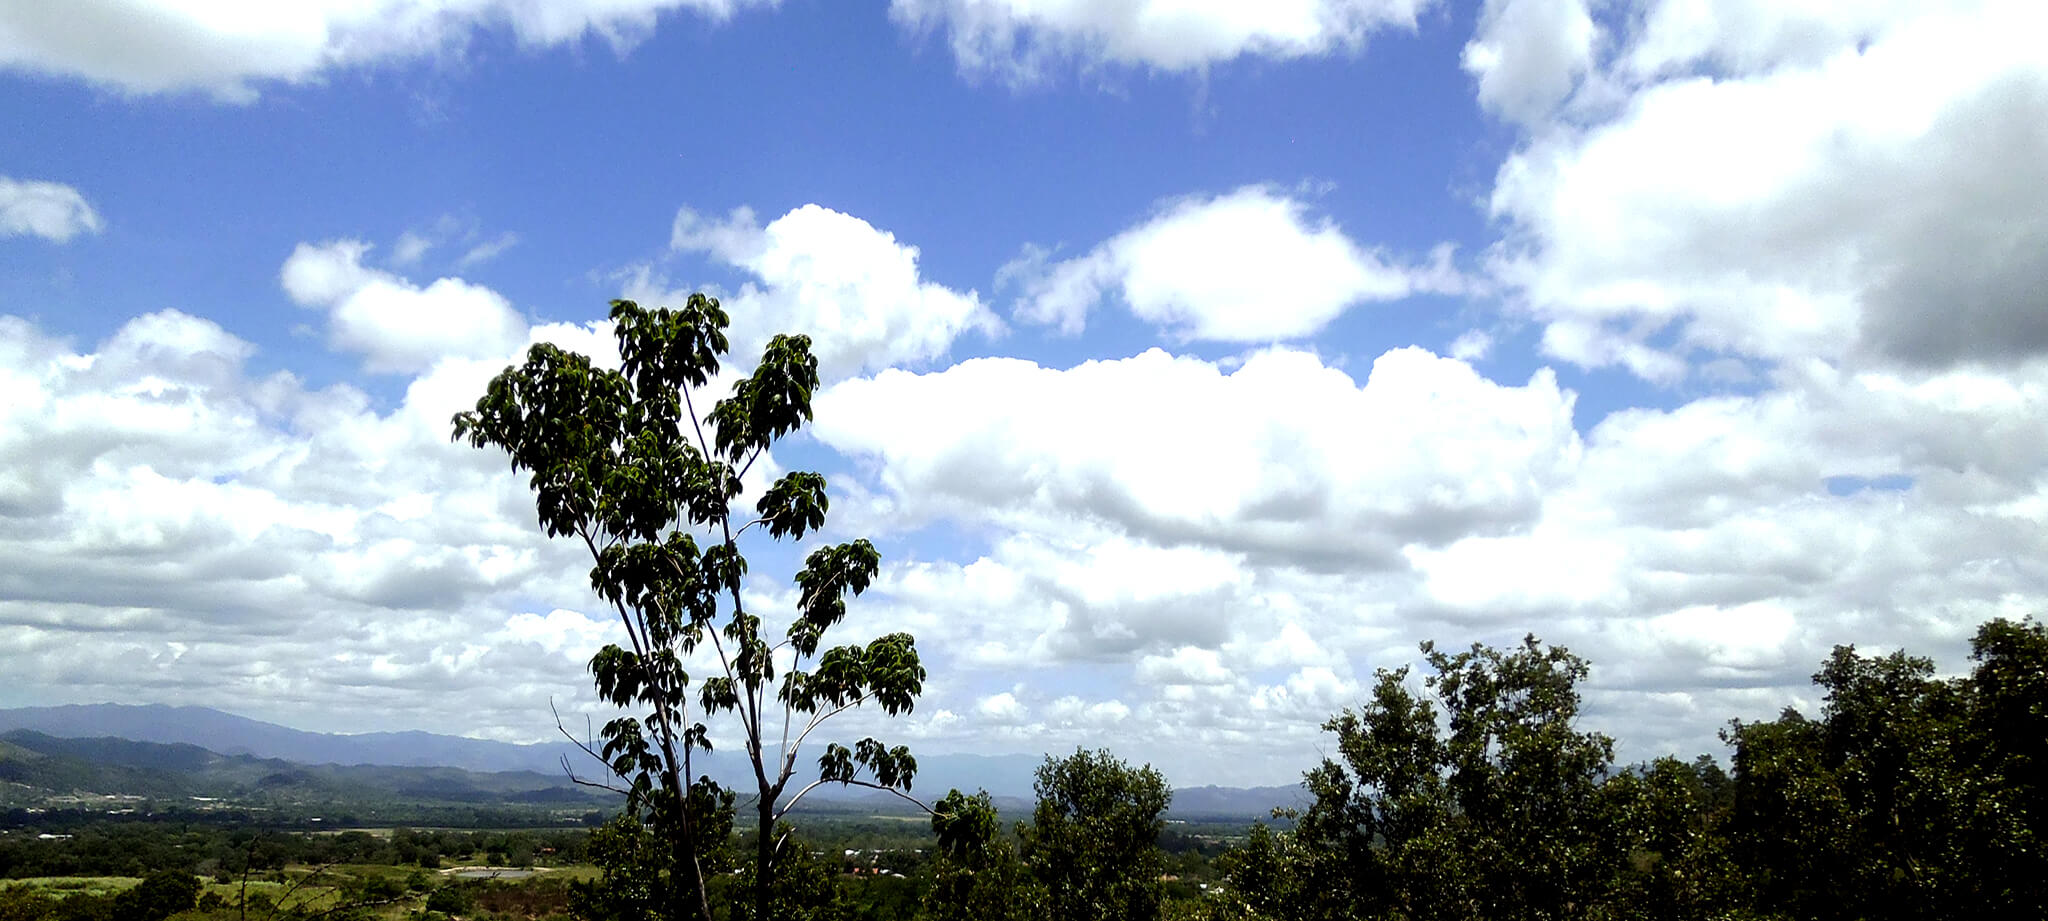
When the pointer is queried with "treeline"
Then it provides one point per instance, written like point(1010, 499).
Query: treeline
point(1907, 796)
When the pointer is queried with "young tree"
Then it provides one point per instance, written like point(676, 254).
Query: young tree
point(623, 462)
point(1093, 839)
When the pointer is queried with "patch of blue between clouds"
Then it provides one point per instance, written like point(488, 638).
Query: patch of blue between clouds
point(1845, 486)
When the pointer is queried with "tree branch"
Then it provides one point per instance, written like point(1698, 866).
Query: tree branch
point(853, 783)
point(819, 719)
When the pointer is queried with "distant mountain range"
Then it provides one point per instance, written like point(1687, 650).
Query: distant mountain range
point(229, 734)
point(199, 740)
point(46, 769)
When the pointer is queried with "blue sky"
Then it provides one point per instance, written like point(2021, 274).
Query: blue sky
point(1188, 361)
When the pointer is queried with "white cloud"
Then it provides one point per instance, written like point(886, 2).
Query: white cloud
point(230, 50)
point(395, 325)
point(1202, 563)
point(1020, 40)
point(1472, 345)
point(410, 248)
point(1529, 55)
point(1697, 555)
point(1283, 457)
point(50, 210)
point(1249, 266)
point(851, 287)
point(1186, 665)
point(1749, 36)
point(1853, 182)
point(566, 632)
point(227, 538)
point(1001, 708)
point(487, 250)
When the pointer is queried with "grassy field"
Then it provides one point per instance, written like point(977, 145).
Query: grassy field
point(68, 885)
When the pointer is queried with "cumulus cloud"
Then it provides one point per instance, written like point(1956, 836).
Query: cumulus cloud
point(1283, 457)
point(1178, 554)
point(395, 325)
point(50, 210)
point(180, 529)
point(1529, 55)
point(1851, 182)
point(1699, 556)
point(1249, 266)
point(1703, 556)
point(1022, 40)
point(229, 51)
point(851, 287)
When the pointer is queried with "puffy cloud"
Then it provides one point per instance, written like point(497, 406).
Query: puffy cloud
point(181, 530)
point(50, 210)
point(1704, 556)
point(395, 325)
point(1080, 596)
point(1186, 665)
point(228, 50)
point(1529, 55)
point(1021, 40)
point(1282, 458)
point(851, 287)
point(1249, 266)
point(1701, 559)
point(1748, 36)
point(1206, 564)
point(1775, 181)
point(1000, 708)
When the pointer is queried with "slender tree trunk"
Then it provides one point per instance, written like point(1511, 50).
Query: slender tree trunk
point(764, 850)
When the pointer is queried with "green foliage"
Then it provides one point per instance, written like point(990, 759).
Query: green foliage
point(1500, 817)
point(159, 896)
point(620, 461)
point(1673, 816)
point(457, 900)
point(975, 873)
point(2007, 750)
point(1911, 797)
point(1092, 841)
point(636, 878)
point(805, 889)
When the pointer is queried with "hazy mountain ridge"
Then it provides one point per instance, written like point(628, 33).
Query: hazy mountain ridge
point(163, 741)
point(229, 734)
point(106, 765)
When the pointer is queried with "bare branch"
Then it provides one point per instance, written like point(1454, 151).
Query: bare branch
point(819, 719)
